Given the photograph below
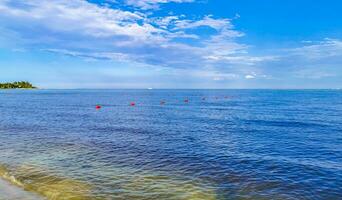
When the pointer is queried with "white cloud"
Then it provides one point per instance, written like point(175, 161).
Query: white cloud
point(152, 4)
point(79, 15)
point(242, 60)
point(249, 76)
point(82, 29)
point(217, 24)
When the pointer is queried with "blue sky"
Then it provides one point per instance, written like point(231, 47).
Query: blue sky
point(172, 43)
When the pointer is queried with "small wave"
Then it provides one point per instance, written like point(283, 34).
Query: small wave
point(285, 123)
point(129, 185)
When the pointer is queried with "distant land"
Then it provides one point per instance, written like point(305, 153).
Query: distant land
point(17, 85)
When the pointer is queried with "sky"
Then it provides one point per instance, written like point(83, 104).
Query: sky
point(182, 44)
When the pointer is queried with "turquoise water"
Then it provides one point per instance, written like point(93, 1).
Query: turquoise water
point(234, 144)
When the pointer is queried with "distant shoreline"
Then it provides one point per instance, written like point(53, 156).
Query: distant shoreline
point(19, 88)
point(17, 85)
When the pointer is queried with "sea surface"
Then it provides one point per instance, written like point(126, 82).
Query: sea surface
point(234, 144)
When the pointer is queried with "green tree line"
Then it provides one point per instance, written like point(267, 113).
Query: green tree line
point(15, 85)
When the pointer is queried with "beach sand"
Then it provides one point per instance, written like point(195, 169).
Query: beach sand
point(11, 192)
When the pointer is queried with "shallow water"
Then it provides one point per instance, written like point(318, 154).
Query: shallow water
point(253, 144)
point(10, 192)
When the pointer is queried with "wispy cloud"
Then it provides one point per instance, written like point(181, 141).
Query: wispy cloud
point(318, 50)
point(311, 60)
point(90, 30)
point(205, 46)
point(95, 56)
point(152, 4)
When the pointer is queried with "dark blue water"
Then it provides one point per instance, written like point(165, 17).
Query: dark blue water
point(253, 144)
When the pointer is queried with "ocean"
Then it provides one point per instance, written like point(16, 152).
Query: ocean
point(172, 144)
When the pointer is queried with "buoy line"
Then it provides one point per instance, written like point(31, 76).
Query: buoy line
point(163, 102)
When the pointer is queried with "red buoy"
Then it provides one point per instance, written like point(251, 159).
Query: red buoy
point(98, 107)
point(132, 104)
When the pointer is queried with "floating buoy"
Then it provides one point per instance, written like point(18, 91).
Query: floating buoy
point(132, 104)
point(186, 100)
point(203, 98)
point(162, 102)
point(98, 107)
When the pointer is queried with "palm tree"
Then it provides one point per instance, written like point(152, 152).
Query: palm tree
point(16, 84)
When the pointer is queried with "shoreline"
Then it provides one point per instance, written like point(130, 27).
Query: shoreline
point(19, 88)
point(9, 191)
